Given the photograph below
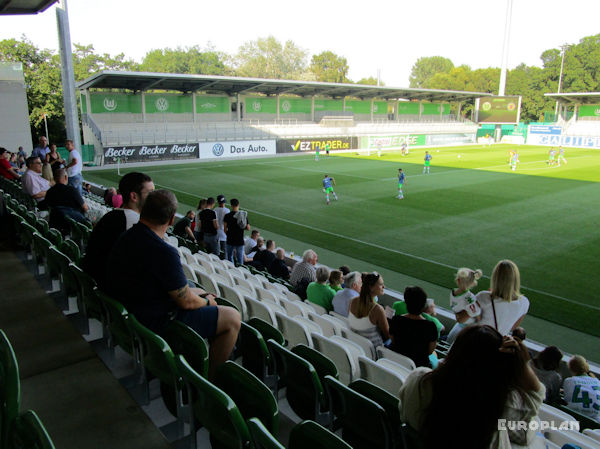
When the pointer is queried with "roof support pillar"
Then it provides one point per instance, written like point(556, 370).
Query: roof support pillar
point(372, 104)
point(195, 117)
point(312, 108)
point(458, 110)
point(277, 97)
point(420, 110)
point(143, 107)
point(238, 108)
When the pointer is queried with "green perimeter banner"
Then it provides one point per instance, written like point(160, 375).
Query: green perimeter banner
point(395, 141)
point(169, 104)
point(110, 102)
point(328, 105)
point(589, 110)
point(409, 108)
point(212, 105)
point(295, 106)
point(261, 105)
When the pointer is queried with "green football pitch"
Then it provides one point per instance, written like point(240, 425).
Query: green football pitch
point(471, 210)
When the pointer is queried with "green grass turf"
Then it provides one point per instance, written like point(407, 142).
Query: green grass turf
point(470, 211)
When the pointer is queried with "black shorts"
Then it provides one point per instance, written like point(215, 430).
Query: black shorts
point(202, 320)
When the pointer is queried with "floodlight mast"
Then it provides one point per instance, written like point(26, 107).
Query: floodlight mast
point(68, 75)
point(505, 45)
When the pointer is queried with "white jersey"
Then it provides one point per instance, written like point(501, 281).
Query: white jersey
point(582, 393)
point(465, 302)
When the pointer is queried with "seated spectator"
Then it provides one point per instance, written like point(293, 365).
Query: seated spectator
point(544, 366)
point(33, 183)
point(582, 388)
point(87, 188)
point(108, 194)
point(412, 335)
point(366, 317)
point(64, 201)
point(260, 243)
point(21, 157)
point(335, 280)
point(462, 302)
point(263, 258)
point(341, 300)
point(319, 292)
point(157, 291)
point(482, 367)
point(251, 241)
point(428, 313)
point(183, 228)
point(134, 187)
point(503, 307)
point(5, 169)
point(345, 269)
point(303, 273)
point(12, 160)
point(279, 268)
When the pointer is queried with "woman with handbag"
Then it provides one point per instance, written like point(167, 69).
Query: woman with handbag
point(503, 306)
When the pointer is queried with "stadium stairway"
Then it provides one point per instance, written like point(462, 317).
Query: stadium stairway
point(80, 402)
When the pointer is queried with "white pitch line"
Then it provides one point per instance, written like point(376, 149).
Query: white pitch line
point(424, 259)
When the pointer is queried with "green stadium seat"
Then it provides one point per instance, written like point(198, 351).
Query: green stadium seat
point(255, 355)
point(54, 236)
point(261, 437)
point(268, 331)
point(88, 303)
point(215, 410)
point(70, 248)
point(305, 393)
point(186, 341)
point(157, 358)
point(10, 389)
point(41, 248)
point(252, 397)
point(322, 364)
point(42, 226)
point(364, 423)
point(309, 434)
point(28, 432)
point(60, 262)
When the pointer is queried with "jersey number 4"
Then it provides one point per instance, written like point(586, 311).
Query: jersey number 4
point(583, 397)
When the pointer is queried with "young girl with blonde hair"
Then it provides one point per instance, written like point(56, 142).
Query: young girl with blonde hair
point(463, 302)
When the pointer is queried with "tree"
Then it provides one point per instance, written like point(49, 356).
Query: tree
point(268, 58)
point(372, 81)
point(86, 62)
point(329, 67)
point(425, 68)
point(191, 60)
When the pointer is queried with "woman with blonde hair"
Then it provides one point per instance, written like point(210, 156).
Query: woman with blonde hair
point(503, 306)
point(366, 317)
point(47, 173)
point(463, 302)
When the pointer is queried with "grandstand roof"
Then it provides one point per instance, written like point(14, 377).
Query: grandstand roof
point(14, 7)
point(141, 81)
point(576, 97)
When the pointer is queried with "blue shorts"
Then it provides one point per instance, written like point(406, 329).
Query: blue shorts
point(202, 320)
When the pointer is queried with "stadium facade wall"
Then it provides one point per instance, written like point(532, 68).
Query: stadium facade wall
point(14, 115)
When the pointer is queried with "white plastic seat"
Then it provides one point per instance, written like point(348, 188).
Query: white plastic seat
point(319, 310)
point(190, 259)
point(552, 414)
point(184, 250)
point(344, 356)
point(308, 307)
point(274, 306)
point(343, 324)
point(407, 362)
point(209, 284)
point(562, 437)
point(328, 329)
point(380, 375)
point(271, 286)
point(262, 279)
point(400, 370)
point(220, 278)
point(207, 265)
point(263, 293)
point(254, 282)
point(214, 257)
point(292, 296)
point(292, 308)
point(189, 272)
point(228, 263)
point(247, 286)
point(171, 240)
point(234, 297)
point(340, 317)
point(295, 331)
point(363, 342)
point(260, 310)
point(592, 433)
point(225, 273)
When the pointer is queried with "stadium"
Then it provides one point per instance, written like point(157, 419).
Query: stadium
point(477, 188)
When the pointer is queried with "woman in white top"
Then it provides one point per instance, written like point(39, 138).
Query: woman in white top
point(366, 317)
point(503, 307)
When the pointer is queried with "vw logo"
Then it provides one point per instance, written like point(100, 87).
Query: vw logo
point(218, 149)
point(110, 104)
point(256, 106)
point(286, 106)
point(161, 104)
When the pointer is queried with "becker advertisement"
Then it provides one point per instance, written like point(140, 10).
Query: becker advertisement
point(147, 153)
point(236, 149)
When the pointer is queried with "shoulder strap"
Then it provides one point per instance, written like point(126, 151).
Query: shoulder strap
point(494, 310)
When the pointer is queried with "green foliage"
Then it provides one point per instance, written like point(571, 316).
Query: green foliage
point(268, 58)
point(192, 60)
point(329, 67)
point(425, 68)
point(371, 81)
point(86, 62)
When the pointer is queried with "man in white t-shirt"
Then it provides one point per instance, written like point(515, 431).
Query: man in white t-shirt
point(74, 166)
point(221, 211)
